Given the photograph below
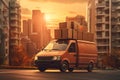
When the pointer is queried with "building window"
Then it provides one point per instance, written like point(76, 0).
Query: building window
point(106, 34)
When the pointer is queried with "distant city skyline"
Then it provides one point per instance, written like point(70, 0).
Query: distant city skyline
point(55, 10)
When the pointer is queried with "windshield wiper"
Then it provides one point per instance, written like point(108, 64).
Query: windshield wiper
point(55, 49)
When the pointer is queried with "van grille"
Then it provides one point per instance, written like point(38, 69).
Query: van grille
point(45, 58)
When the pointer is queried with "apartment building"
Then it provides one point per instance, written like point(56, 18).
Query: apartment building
point(4, 32)
point(107, 27)
point(15, 25)
point(15, 22)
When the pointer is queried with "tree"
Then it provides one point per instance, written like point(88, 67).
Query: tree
point(115, 58)
point(18, 56)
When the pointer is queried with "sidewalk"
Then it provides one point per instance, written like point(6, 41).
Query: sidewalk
point(17, 67)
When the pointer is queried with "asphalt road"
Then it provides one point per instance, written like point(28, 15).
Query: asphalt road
point(13, 74)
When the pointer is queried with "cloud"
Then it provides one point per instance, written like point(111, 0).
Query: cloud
point(26, 11)
point(61, 1)
point(72, 12)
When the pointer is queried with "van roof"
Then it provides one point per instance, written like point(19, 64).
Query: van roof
point(78, 40)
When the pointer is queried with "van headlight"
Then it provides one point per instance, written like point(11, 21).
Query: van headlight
point(56, 58)
point(36, 58)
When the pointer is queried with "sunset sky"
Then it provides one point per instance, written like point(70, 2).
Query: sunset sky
point(55, 10)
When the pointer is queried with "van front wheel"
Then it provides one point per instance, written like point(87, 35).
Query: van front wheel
point(64, 66)
point(41, 69)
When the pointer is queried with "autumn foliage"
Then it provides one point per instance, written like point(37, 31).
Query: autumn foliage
point(19, 57)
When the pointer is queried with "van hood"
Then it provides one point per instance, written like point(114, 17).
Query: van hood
point(50, 53)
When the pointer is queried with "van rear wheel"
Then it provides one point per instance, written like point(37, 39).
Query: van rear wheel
point(64, 66)
point(90, 67)
point(70, 69)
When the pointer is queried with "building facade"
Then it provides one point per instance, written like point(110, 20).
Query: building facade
point(39, 27)
point(15, 25)
point(4, 32)
point(107, 27)
point(91, 16)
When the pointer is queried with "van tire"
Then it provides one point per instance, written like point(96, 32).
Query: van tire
point(64, 66)
point(70, 69)
point(90, 67)
point(42, 69)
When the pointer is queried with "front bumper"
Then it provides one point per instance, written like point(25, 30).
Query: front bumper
point(48, 64)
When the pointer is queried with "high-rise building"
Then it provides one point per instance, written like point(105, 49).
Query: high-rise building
point(35, 29)
point(39, 28)
point(91, 16)
point(107, 27)
point(27, 25)
point(15, 24)
point(4, 32)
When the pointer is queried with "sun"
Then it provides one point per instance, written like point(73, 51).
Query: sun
point(47, 17)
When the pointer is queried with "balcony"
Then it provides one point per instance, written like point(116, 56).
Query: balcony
point(106, 0)
point(99, 29)
point(14, 37)
point(107, 15)
point(118, 30)
point(117, 0)
point(118, 14)
point(118, 23)
point(14, 17)
point(102, 52)
point(100, 5)
point(100, 21)
point(106, 22)
point(118, 38)
point(13, 11)
point(118, 7)
point(106, 8)
point(117, 45)
point(15, 31)
point(14, 43)
point(102, 37)
point(100, 14)
point(102, 44)
point(14, 25)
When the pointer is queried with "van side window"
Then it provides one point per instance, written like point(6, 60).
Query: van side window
point(72, 48)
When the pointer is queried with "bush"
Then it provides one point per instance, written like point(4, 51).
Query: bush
point(19, 57)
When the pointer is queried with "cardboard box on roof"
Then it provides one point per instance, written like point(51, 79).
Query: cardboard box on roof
point(85, 36)
point(77, 34)
point(80, 35)
point(88, 36)
point(58, 33)
point(91, 37)
point(66, 33)
point(63, 25)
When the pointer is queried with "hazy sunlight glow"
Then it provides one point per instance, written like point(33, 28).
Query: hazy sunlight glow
point(47, 17)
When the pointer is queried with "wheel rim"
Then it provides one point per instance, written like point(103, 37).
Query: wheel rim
point(64, 67)
point(90, 67)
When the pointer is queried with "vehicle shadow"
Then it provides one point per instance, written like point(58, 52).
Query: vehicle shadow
point(58, 72)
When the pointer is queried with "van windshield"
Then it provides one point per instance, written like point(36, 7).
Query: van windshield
point(59, 45)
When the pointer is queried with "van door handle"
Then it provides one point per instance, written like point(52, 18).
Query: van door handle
point(75, 55)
